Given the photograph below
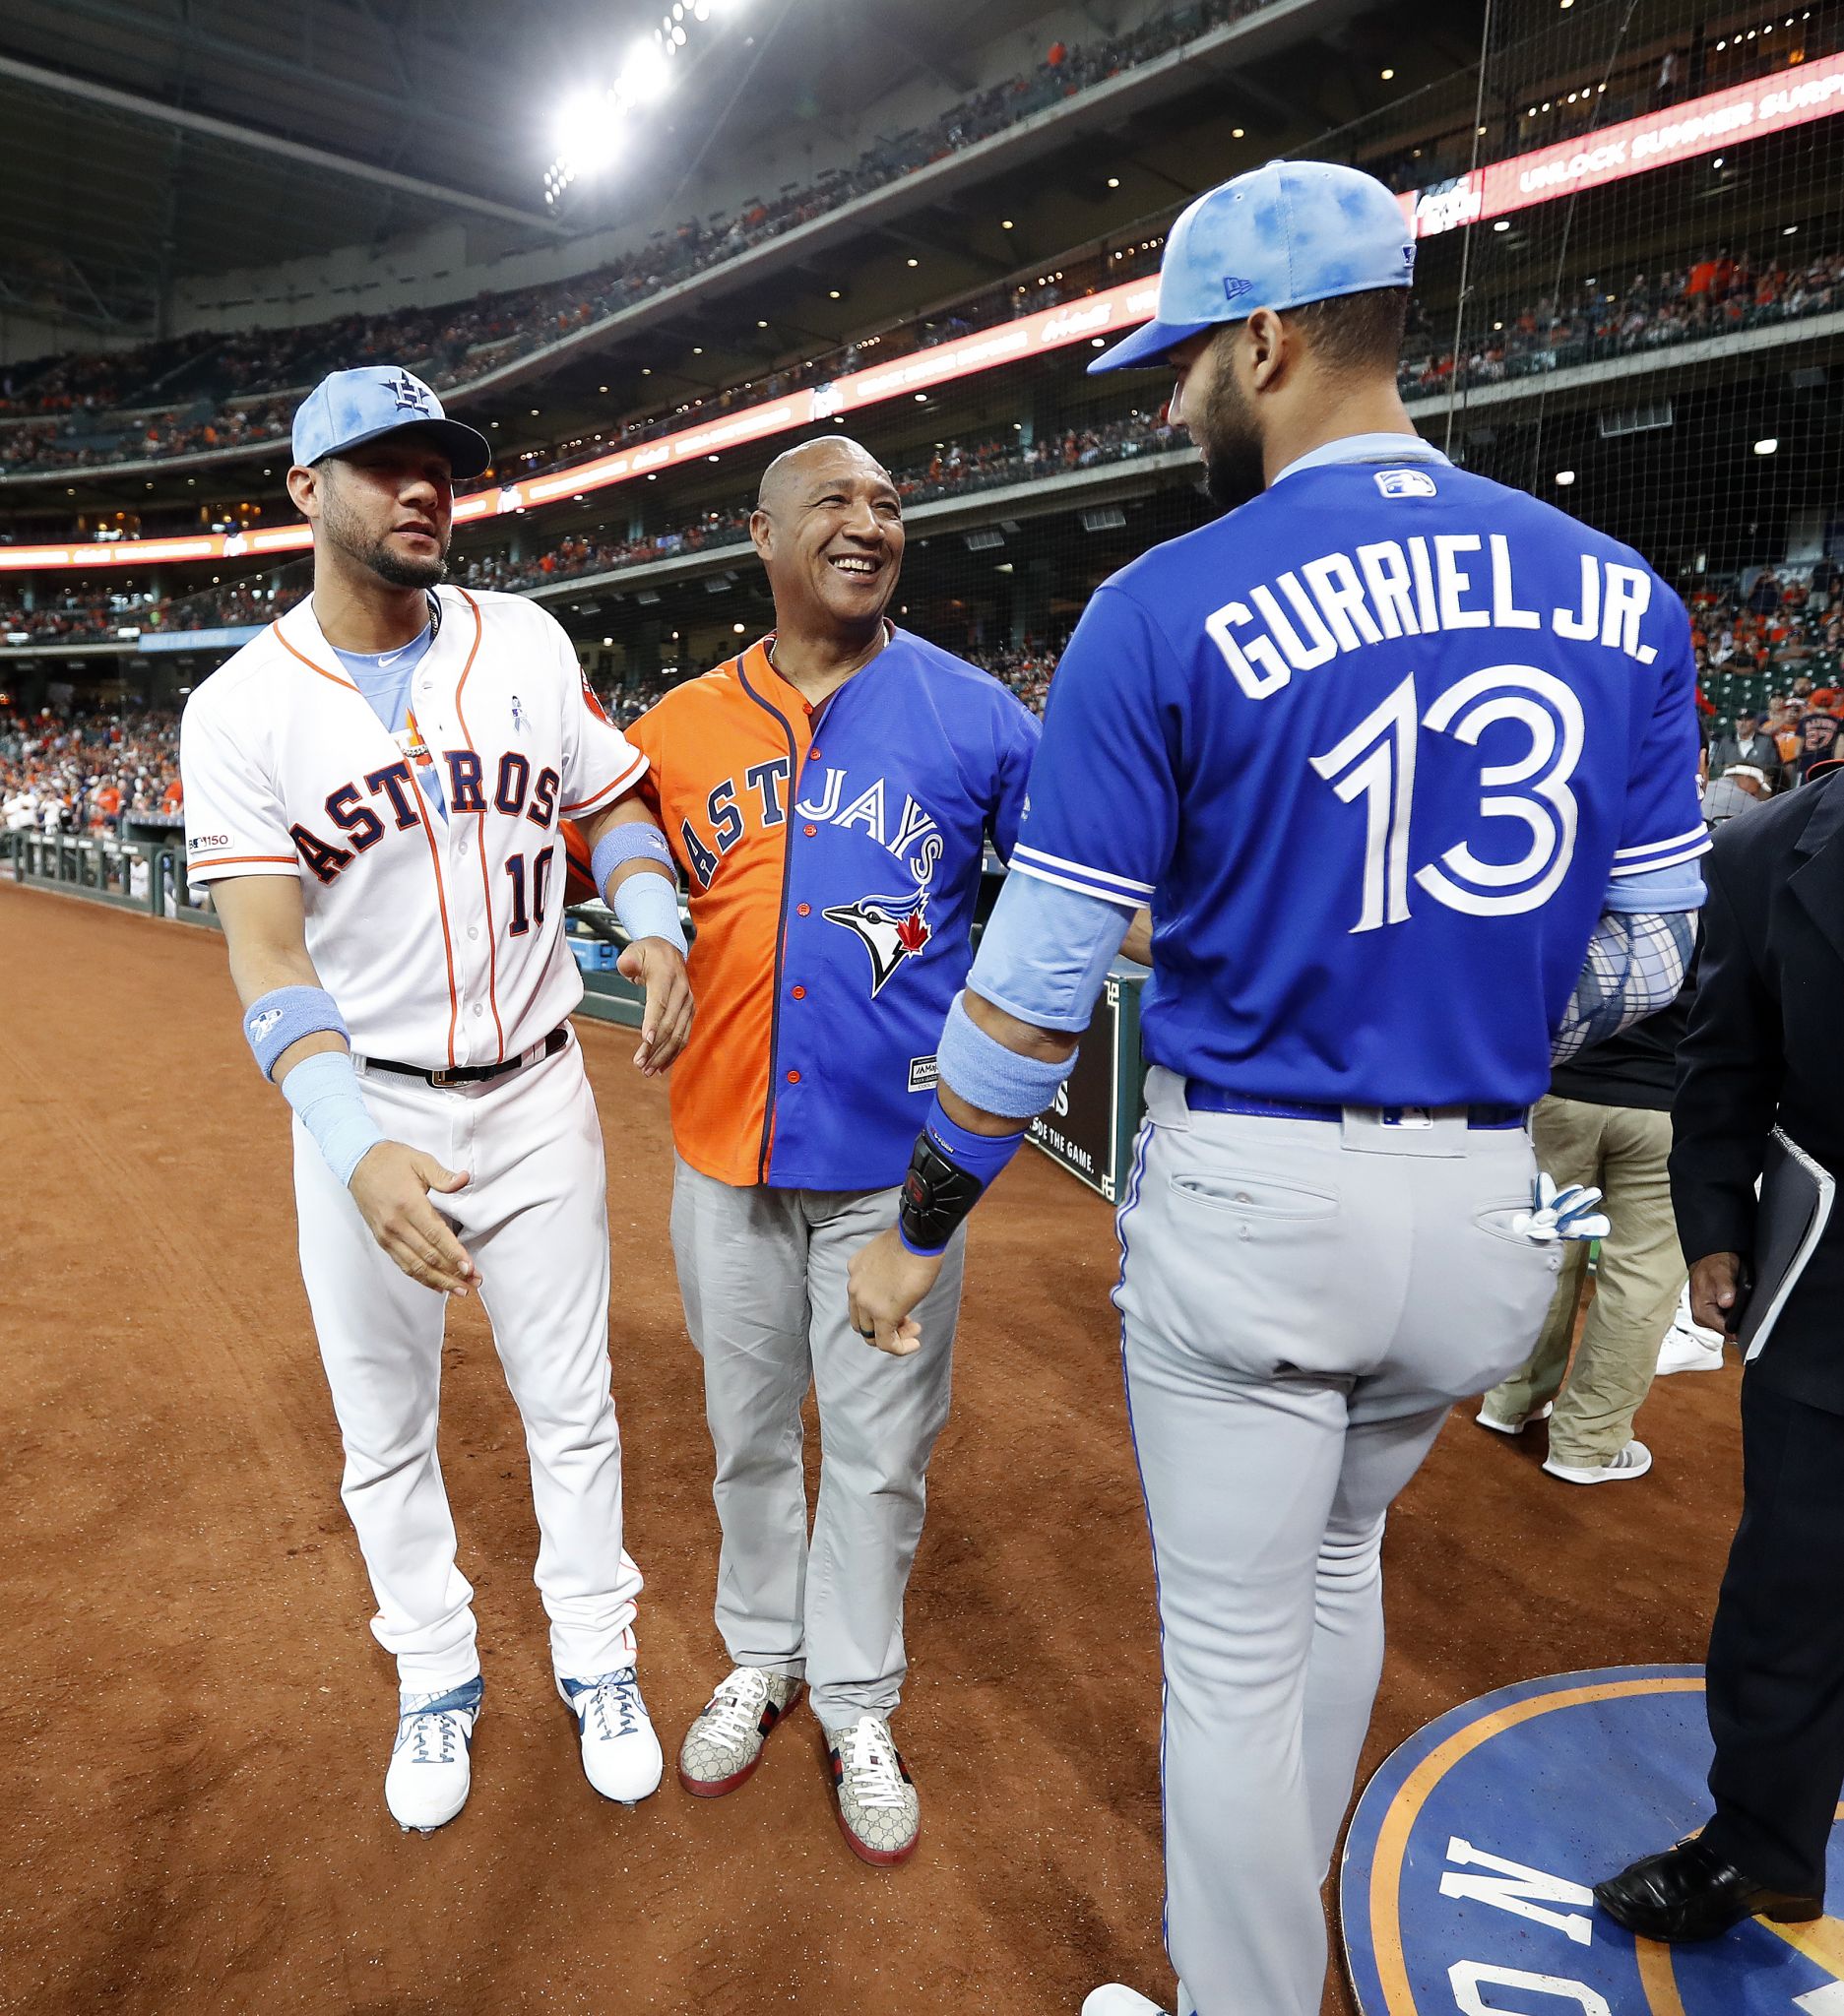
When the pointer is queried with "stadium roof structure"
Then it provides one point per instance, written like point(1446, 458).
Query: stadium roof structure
point(145, 141)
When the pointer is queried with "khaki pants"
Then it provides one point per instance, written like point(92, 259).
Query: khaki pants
point(1624, 1150)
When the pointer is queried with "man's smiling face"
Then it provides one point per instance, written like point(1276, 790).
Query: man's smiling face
point(830, 532)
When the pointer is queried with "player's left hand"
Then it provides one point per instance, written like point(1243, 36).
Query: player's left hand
point(1561, 1214)
point(666, 1020)
point(885, 1281)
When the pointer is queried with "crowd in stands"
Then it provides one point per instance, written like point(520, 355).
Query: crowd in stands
point(1770, 673)
point(84, 616)
point(1719, 294)
point(452, 344)
point(87, 771)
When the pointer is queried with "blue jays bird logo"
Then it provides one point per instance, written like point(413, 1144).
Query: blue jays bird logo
point(890, 927)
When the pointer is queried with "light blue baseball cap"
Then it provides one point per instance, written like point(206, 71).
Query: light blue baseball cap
point(350, 408)
point(1277, 237)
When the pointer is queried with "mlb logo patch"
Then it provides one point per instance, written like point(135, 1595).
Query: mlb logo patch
point(1405, 483)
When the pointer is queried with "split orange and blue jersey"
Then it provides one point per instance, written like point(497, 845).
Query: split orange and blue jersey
point(834, 855)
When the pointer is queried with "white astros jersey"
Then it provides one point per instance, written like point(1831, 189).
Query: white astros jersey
point(434, 916)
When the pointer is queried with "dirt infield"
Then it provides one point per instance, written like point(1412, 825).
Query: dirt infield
point(195, 1721)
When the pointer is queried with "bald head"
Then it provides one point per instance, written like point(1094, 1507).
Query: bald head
point(828, 527)
point(816, 462)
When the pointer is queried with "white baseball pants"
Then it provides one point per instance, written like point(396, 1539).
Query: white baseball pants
point(1301, 1303)
point(533, 1217)
point(763, 1275)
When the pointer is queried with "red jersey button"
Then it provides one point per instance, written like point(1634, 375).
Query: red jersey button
point(805, 910)
point(813, 756)
point(799, 993)
point(794, 1078)
point(809, 831)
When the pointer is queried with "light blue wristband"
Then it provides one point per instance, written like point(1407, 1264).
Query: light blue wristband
point(990, 1077)
point(629, 841)
point(324, 1092)
point(278, 1019)
point(647, 907)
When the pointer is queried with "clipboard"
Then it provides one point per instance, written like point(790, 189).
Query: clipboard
point(1796, 1195)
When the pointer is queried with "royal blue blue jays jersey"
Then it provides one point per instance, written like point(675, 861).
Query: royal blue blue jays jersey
point(1373, 746)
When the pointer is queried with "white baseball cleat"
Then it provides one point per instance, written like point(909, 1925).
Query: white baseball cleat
point(1114, 2000)
point(622, 1754)
point(427, 1782)
point(1512, 1424)
point(1623, 1467)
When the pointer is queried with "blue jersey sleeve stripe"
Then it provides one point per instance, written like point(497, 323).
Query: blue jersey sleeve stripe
point(1100, 877)
point(1112, 896)
point(1656, 846)
point(1645, 867)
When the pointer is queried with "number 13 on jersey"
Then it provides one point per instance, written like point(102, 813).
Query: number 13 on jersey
point(1375, 763)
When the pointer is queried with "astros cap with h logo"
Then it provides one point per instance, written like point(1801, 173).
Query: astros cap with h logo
point(348, 409)
point(1277, 237)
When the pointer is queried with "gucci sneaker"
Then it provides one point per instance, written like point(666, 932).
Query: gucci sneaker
point(426, 1784)
point(725, 1744)
point(879, 1814)
point(621, 1756)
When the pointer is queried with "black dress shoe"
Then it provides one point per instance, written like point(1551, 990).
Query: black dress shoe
point(1690, 1893)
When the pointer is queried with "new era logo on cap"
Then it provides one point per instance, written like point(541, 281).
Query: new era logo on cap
point(1234, 288)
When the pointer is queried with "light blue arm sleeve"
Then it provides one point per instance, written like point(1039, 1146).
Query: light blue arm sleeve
point(1047, 950)
point(1656, 891)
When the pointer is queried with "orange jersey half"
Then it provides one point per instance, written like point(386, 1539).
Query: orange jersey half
point(701, 742)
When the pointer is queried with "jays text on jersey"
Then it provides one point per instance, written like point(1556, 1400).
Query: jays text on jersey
point(834, 857)
point(434, 917)
point(1381, 737)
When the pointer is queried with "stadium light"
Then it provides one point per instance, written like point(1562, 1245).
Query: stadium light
point(1770, 445)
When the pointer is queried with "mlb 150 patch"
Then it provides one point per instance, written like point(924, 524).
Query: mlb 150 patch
point(1466, 1888)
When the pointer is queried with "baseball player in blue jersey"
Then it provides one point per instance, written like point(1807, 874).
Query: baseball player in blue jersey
point(1405, 765)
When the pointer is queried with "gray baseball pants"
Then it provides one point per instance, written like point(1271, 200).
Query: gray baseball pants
point(763, 1276)
point(1301, 1302)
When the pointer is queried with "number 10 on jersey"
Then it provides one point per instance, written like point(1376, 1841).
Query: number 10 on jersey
point(1375, 763)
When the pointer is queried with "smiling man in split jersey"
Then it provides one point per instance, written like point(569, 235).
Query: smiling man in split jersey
point(829, 793)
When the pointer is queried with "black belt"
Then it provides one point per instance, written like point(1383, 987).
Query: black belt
point(475, 1074)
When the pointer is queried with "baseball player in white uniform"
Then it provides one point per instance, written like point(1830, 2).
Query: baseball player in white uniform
point(373, 788)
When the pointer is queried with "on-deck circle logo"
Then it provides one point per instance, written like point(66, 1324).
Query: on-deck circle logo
point(1467, 1884)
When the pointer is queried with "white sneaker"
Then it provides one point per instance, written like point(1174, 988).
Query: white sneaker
point(1631, 1462)
point(426, 1785)
point(1688, 1348)
point(1114, 2000)
point(621, 1756)
point(1512, 1424)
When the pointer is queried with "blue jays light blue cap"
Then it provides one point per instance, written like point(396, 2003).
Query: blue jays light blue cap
point(350, 408)
point(1277, 237)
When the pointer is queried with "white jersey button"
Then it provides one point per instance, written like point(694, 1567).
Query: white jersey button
point(476, 1009)
point(474, 930)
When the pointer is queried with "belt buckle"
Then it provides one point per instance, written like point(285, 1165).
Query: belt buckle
point(441, 1077)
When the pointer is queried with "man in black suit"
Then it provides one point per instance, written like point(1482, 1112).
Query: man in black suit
point(1763, 1049)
